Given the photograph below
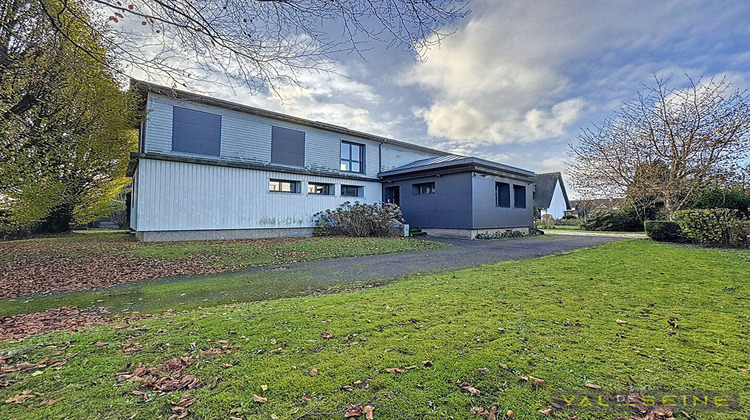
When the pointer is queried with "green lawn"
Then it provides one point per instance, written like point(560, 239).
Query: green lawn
point(684, 323)
point(74, 258)
point(227, 253)
point(578, 229)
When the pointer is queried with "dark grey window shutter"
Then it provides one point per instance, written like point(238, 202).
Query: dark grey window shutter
point(287, 146)
point(196, 132)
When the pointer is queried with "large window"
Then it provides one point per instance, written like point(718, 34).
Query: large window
point(502, 194)
point(352, 157)
point(287, 146)
point(320, 188)
point(281, 185)
point(424, 188)
point(196, 132)
point(519, 196)
point(352, 191)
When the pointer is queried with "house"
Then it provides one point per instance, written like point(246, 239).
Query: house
point(212, 169)
point(551, 197)
point(582, 208)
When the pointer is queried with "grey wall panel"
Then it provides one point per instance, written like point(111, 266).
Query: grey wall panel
point(196, 132)
point(486, 214)
point(449, 207)
point(287, 146)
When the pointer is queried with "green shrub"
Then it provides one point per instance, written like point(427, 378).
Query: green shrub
point(613, 220)
point(713, 227)
point(547, 222)
point(717, 198)
point(664, 230)
point(358, 219)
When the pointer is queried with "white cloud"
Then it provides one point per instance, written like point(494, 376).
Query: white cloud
point(521, 72)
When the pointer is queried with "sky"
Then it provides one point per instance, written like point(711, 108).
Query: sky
point(518, 80)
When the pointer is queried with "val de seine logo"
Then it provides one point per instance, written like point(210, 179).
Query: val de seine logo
point(646, 401)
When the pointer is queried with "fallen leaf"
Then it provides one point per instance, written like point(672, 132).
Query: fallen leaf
point(395, 370)
point(592, 386)
point(546, 411)
point(314, 372)
point(468, 387)
point(264, 388)
point(427, 363)
point(259, 399)
point(353, 411)
point(511, 415)
point(368, 411)
point(620, 321)
point(326, 335)
point(21, 398)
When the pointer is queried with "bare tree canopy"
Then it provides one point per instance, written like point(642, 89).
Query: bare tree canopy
point(253, 42)
point(666, 145)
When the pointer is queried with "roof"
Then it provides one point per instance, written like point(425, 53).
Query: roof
point(144, 87)
point(455, 163)
point(545, 189)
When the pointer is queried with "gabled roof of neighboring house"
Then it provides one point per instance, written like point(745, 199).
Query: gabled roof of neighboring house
point(455, 163)
point(545, 189)
point(144, 87)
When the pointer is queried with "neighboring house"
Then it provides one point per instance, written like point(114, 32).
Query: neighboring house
point(213, 169)
point(581, 208)
point(551, 197)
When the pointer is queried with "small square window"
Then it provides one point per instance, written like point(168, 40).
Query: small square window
point(352, 191)
point(424, 188)
point(280, 185)
point(502, 194)
point(319, 188)
point(519, 196)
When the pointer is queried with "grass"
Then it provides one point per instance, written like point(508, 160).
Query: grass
point(185, 292)
point(578, 229)
point(558, 316)
point(228, 253)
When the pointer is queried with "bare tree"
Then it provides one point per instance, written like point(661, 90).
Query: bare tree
point(666, 145)
point(254, 42)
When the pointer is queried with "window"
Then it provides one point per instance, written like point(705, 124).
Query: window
point(352, 157)
point(519, 196)
point(319, 188)
point(425, 188)
point(196, 132)
point(280, 185)
point(287, 146)
point(352, 191)
point(502, 194)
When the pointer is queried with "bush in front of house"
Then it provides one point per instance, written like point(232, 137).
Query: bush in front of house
point(664, 231)
point(623, 220)
point(501, 235)
point(358, 219)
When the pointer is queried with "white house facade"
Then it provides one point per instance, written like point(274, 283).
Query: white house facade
point(213, 169)
point(551, 197)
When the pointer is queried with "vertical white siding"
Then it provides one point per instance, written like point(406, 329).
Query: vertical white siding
point(186, 196)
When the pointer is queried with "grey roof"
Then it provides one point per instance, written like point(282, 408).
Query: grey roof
point(455, 161)
point(141, 86)
point(545, 188)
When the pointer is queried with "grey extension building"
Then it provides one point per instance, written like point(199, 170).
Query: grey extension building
point(213, 169)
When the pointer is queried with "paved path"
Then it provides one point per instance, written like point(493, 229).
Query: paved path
point(463, 254)
point(600, 234)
